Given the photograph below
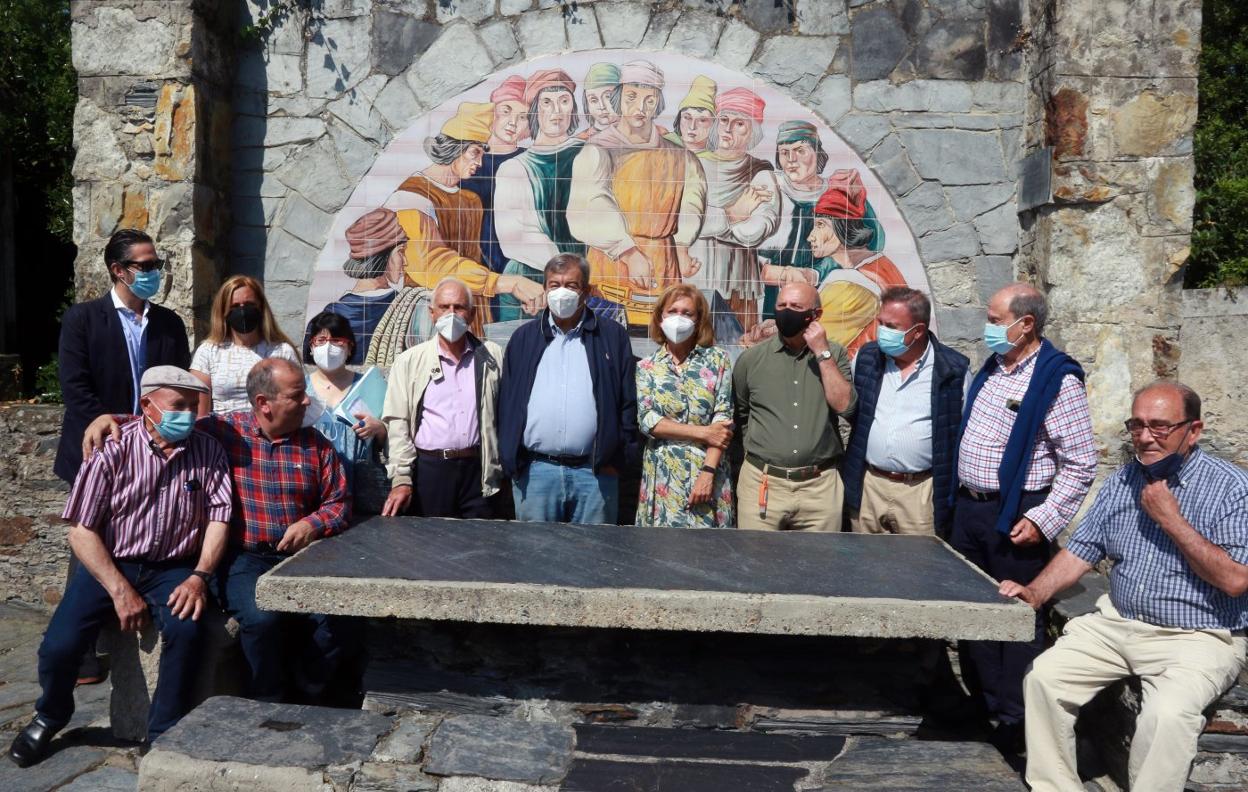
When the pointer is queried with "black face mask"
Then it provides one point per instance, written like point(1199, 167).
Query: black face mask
point(791, 323)
point(243, 319)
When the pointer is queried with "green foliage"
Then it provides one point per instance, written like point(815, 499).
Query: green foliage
point(48, 382)
point(1220, 232)
point(38, 91)
point(267, 21)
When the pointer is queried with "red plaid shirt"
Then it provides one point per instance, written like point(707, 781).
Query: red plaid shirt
point(1064, 456)
point(279, 482)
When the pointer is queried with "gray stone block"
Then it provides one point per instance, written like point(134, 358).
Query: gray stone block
point(623, 25)
point(541, 32)
point(500, 40)
point(105, 779)
point(501, 748)
point(956, 242)
point(58, 768)
point(582, 28)
point(971, 202)
point(893, 167)
point(832, 99)
point(941, 96)
point(454, 62)
point(406, 743)
point(863, 132)
point(926, 209)
point(471, 10)
point(999, 229)
point(397, 104)
point(398, 40)
point(149, 49)
point(960, 324)
point(766, 16)
point(374, 777)
point(822, 17)
point(796, 62)
point(338, 56)
point(737, 44)
point(513, 7)
point(954, 156)
point(992, 273)
point(695, 34)
point(877, 43)
point(920, 766)
point(953, 49)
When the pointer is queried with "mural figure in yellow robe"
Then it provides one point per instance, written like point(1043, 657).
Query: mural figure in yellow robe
point(443, 222)
point(637, 199)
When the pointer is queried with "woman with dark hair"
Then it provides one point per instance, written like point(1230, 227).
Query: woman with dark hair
point(331, 343)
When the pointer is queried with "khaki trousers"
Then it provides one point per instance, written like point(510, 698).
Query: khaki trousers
point(813, 505)
point(895, 507)
point(1181, 673)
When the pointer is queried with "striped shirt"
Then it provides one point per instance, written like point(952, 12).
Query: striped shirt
point(279, 482)
point(1151, 580)
point(146, 506)
point(1064, 456)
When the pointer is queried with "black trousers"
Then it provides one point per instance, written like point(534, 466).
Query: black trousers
point(993, 670)
point(449, 488)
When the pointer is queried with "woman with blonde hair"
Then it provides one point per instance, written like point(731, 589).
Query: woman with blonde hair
point(241, 333)
point(684, 407)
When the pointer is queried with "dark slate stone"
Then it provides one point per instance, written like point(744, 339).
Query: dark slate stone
point(502, 749)
point(1223, 743)
point(705, 744)
point(953, 49)
point(228, 729)
point(1005, 20)
point(768, 16)
point(61, 766)
point(399, 39)
point(1081, 598)
point(877, 43)
point(105, 779)
point(599, 556)
point(593, 775)
point(873, 763)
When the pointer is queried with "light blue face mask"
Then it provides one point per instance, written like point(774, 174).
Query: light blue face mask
point(892, 342)
point(175, 426)
point(146, 284)
point(996, 336)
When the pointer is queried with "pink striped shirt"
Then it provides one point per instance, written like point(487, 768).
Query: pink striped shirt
point(1064, 456)
point(448, 418)
point(146, 506)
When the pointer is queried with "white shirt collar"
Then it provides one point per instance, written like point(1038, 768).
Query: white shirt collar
point(121, 306)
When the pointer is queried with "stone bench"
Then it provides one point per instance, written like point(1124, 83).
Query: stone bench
point(236, 744)
point(134, 663)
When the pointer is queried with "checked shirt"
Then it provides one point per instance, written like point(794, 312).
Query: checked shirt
point(1151, 580)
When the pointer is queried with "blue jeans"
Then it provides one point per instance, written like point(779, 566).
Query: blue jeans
point(77, 621)
point(262, 632)
point(546, 492)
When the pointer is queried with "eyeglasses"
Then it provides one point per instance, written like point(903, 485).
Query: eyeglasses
point(145, 266)
point(323, 340)
point(1159, 431)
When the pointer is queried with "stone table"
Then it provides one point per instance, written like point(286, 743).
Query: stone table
point(647, 578)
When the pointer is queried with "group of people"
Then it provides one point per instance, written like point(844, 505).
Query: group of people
point(996, 462)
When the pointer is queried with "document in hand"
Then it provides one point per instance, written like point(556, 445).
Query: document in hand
point(366, 396)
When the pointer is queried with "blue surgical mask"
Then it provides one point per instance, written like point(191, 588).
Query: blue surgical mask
point(146, 284)
point(996, 336)
point(175, 426)
point(1165, 468)
point(892, 342)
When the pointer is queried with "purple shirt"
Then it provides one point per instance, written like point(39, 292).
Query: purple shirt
point(146, 506)
point(448, 415)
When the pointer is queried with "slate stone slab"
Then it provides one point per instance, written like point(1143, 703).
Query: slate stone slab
point(228, 729)
point(872, 763)
point(597, 775)
point(57, 769)
point(500, 748)
point(406, 742)
point(705, 744)
point(105, 779)
point(646, 578)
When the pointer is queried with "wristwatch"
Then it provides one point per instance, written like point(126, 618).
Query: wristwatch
point(204, 576)
point(825, 354)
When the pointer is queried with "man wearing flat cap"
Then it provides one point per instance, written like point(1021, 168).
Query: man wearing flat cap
point(149, 516)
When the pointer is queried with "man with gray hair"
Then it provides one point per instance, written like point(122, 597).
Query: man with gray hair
point(1175, 523)
point(568, 405)
point(439, 415)
point(1026, 459)
point(290, 489)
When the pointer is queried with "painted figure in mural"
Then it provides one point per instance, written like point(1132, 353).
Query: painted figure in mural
point(533, 201)
point(743, 205)
point(695, 115)
point(595, 92)
point(846, 241)
point(801, 159)
point(443, 222)
point(637, 198)
point(510, 126)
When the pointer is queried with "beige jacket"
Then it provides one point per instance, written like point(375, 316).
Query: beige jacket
point(410, 374)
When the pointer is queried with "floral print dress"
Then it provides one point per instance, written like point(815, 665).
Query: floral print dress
point(697, 392)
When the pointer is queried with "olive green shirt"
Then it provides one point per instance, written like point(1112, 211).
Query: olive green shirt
point(781, 411)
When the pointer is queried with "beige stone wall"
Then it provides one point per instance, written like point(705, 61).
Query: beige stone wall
point(1211, 360)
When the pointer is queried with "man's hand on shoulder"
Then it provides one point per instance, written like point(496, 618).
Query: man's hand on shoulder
point(189, 598)
point(298, 536)
point(97, 432)
point(1159, 502)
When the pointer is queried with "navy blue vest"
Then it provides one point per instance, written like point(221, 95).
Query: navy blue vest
point(948, 379)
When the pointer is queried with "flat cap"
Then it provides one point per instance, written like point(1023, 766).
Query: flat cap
point(170, 377)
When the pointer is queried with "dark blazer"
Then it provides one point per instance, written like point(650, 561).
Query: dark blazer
point(95, 368)
point(612, 369)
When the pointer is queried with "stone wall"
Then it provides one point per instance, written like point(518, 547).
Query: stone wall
point(33, 546)
point(1211, 344)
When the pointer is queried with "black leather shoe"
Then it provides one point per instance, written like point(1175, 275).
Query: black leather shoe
point(31, 745)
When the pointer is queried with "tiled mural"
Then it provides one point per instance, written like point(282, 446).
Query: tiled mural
point(657, 167)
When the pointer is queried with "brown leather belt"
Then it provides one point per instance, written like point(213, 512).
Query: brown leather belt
point(904, 478)
point(450, 453)
point(790, 473)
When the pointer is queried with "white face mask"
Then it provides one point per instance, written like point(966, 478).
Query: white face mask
point(677, 328)
point(563, 302)
point(329, 357)
point(451, 326)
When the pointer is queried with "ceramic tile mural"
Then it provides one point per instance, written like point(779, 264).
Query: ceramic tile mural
point(658, 168)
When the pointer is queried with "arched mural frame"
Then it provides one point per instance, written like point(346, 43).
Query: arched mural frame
point(406, 156)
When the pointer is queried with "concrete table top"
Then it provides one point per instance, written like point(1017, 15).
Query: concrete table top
point(647, 578)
